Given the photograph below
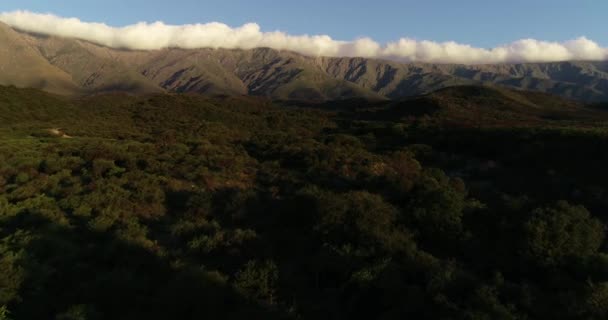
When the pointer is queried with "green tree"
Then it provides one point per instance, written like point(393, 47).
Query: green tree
point(4, 313)
point(258, 280)
point(436, 207)
point(360, 219)
point(561, 231)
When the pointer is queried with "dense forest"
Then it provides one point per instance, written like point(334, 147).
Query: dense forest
point(469, 203)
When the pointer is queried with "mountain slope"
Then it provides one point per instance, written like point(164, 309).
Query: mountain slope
point(92, 72)
point(265, 72)
point(73, 66)
point(22, 65)
point(577, 80)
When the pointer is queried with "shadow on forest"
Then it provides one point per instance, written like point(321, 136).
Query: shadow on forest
point(76, 273)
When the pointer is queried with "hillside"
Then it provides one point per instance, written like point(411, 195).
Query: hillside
point(22, 65)
point(72, 66)
point(473, 106)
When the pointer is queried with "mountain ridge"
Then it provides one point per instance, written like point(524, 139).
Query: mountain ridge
point(72, 66)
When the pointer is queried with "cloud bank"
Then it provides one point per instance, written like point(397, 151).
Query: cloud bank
point(158, 35)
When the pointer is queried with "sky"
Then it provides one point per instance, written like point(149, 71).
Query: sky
point(424, 30)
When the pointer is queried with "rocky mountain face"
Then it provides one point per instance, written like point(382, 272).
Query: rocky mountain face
point(70, 66)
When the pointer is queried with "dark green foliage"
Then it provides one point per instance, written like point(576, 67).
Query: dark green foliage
point(186, 207)
point(560, 232)
point(258, 280)
point(4, 313)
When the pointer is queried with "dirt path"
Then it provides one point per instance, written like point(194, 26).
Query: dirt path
point(59, 133)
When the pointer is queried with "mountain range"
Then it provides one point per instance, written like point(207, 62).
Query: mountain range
point(76, 67)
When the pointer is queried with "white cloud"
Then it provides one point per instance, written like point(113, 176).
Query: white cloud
point(157, 35)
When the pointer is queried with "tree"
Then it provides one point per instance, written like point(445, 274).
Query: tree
point(436, 207)
point(360, 219)
point(561, 231)
point(258, 280)
point(4, 313)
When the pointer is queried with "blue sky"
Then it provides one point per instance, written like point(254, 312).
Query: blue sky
point(477, 22)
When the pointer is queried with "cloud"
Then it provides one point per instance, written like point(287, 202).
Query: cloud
point(158, 35)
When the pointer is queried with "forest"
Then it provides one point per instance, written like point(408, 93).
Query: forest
point(469, 203)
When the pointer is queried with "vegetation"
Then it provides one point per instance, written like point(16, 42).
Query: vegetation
point(189, 207)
